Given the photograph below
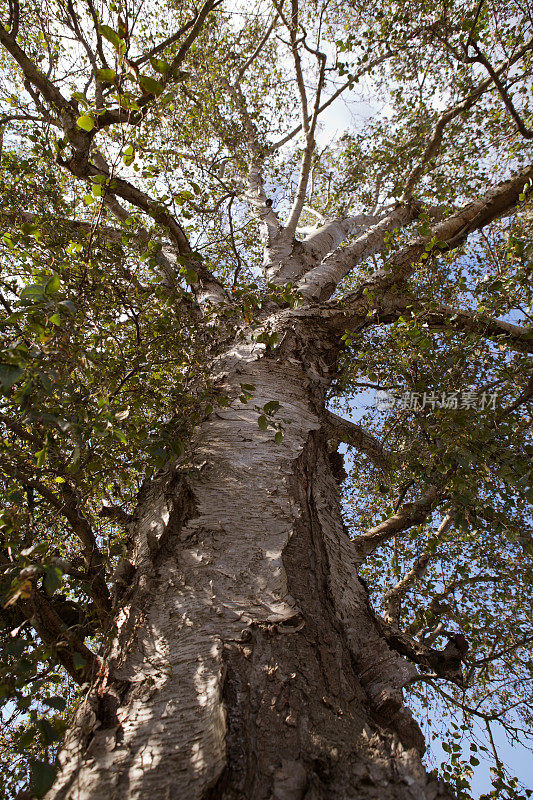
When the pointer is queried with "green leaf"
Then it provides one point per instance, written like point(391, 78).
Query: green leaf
point(57, 703)
point(271, 407)
point(69, 306)
point(42, 776)
point(128, 156)
point(278, 438)
point(262, 422)
point(86, 122)
point(106, 75)
point(9, 374)
point(41, 454)
point(150, 85)
point(74, 247)
point(160, 66)
point(191, 276)
point(52, 284)
point(33, 290)
point(78, 661)
point(47, 731)
point(52, 580)
point(112, 37)
point(81, 99)
point(27, 738)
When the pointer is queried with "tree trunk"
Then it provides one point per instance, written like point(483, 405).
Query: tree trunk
point(247, 662)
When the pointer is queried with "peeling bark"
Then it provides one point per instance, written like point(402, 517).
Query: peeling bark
point(248, 662)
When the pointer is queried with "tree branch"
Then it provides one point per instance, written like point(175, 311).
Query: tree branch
point(321, 281)
point(410, 514)
point(348, 432)
point(159, 48)
point(207, 288)
point(450, 233)
point(493, 717)
point(392, 599)
point(260, 207)
point(259, 47)
point(50, 92)
point(111, 234)
point(435, 607)
point(440, 315)
point(54, 632)
point(482, 59)
point(446, 117)
point(69, 506)
point(445, 663)
point(308, 124)
point(331, 235)
point(295, 131)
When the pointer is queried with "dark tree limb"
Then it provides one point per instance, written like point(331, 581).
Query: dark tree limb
point(408, 515)
point(348, 432)
point(439, 315)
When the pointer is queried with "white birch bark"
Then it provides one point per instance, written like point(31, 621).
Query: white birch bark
point(245, 579)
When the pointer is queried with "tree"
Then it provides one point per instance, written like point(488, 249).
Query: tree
point(190, 286)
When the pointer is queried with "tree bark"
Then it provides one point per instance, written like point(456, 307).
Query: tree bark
point(247, 661)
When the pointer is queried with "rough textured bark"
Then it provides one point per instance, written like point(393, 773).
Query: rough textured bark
point(248, 662)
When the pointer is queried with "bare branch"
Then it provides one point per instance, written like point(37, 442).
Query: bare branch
point(345, 431)
point(440, 315)
point(7, 118)
point(259, 47)
point(292, 26)
point(446, 117)
point(392, 598)
point(482, 59)
point(295, 131)
point(410, 514)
